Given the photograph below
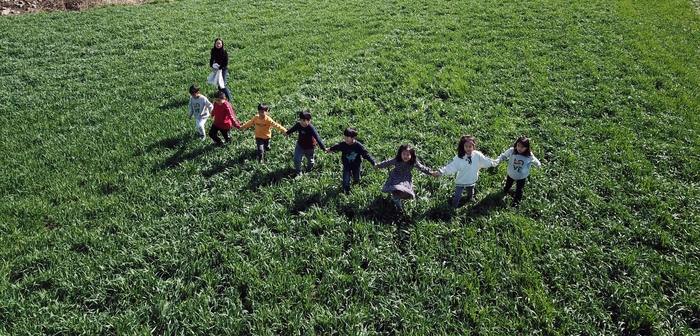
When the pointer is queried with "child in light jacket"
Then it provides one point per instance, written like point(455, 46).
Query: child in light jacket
point(200, 107)
point(466, 164)
point(519, 158)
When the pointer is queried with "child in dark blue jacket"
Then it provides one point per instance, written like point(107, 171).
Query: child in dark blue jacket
point(353, 152)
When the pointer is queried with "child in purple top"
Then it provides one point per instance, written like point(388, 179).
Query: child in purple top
point(400, 180)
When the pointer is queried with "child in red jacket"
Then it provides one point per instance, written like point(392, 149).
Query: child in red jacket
point(224, 119)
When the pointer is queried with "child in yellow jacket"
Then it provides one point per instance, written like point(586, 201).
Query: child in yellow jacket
point(262, 123)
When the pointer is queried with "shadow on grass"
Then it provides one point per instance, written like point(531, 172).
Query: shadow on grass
point(171, 142)
point(181, 155)
point(383, 211)
point(302, 202)
point(221, 166)
point(270, 178)
point(174, 104)
point(444, 211)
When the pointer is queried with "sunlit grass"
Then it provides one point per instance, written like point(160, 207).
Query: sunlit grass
point(117, 220)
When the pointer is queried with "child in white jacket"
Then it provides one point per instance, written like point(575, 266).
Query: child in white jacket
point(200, 107)
point(466, 164)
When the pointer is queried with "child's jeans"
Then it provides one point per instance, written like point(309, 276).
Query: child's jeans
point(458, 194)
point(347, 171)
point(519, 187)
point(262, 145)
point(199, 126)
point(213, 133)
point(299, 154)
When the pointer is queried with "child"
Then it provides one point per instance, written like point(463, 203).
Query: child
point(306, 142)
point(199, 108)
point(263, 122)
point(466, 164)
point(224, 119)
point(520, 158)
point(353, 152)
point(400, 180)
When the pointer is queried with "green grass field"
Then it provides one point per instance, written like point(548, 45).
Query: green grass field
point(115, 219)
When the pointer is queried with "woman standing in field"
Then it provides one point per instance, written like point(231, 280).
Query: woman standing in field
point(219, 55)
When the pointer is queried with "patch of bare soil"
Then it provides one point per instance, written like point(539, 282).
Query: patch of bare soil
point(16, 7)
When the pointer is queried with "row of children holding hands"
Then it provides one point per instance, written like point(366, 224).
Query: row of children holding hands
point(466, 164)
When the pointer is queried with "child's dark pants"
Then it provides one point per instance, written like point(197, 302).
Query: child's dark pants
point(519, 186)
point(471, 192)
point(262, 145)
point(213, 133)
point(347, 171)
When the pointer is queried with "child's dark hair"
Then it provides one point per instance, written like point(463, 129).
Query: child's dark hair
point(350, 132)
point(305, 114)
point(263, 106)
point(464, 139)
point(523, 140)
point(219, 95)
point(194, 89)
point(410, 150)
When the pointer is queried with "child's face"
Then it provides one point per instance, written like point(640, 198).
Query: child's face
point(468, 148)
point(304, 122)
point(262, 113)
point(219, 100)
point(406, 156)
point(349, 140)
point(195, 95)
point(520, 148)
point(218, 44)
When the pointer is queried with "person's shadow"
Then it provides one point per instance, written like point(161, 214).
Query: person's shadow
point(444, 211)
point(302, 202)
point(383, 211)
point(174, 104)
point(219, 167)
point(181, 155)
point(270, 178)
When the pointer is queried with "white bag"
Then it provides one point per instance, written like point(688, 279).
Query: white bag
point(216, 77)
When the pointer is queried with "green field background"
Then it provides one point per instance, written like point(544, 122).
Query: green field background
point(116, 219)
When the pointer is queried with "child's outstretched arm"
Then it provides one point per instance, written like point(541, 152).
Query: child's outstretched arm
point(277, 126)
point(314, 133)
point(385, 163)
point(334, 148)
point(292, 130)
point(484, 161)
point(236, 124)
point(505, 156)
point(248, 124)
point(424, 169)
point(365, 154)
point(450, 168)
point(536, 162)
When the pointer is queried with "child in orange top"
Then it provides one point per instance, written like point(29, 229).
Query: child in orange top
point(263, 122)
